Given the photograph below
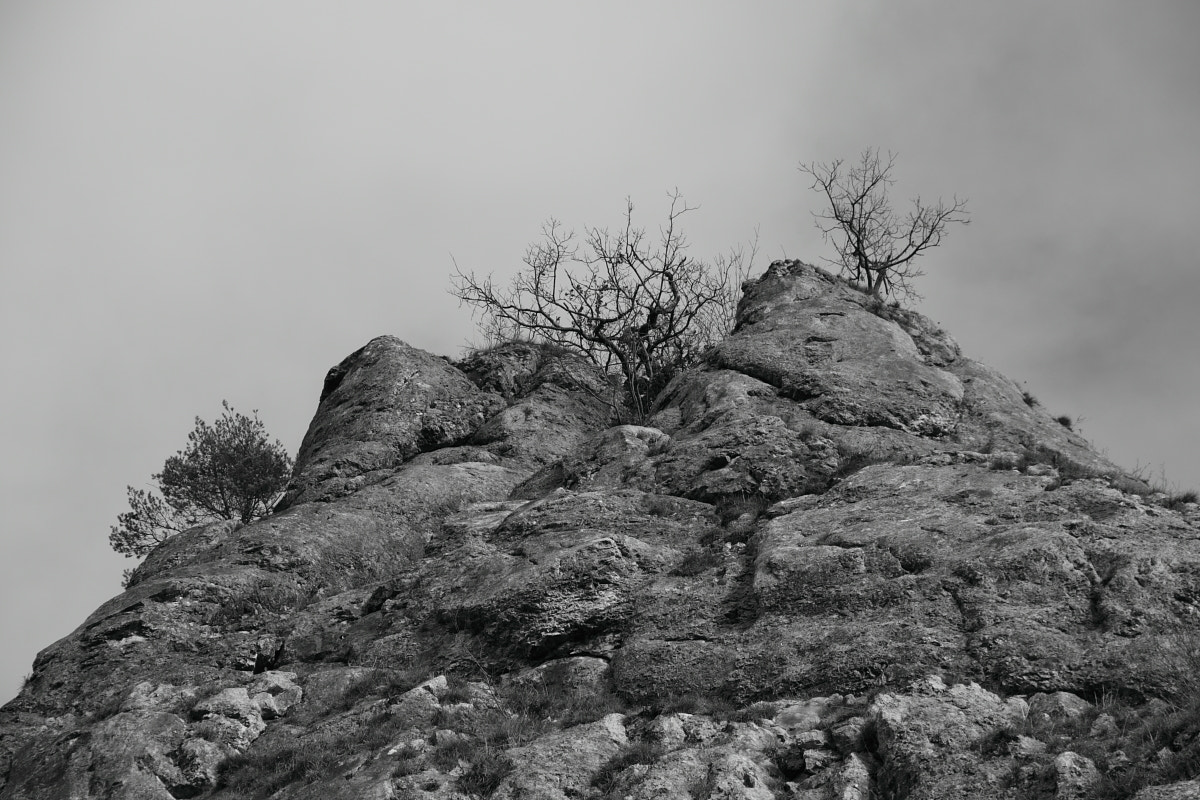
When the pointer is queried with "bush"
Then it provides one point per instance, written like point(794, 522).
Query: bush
point(230, 470)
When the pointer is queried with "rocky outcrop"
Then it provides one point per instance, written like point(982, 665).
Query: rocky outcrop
point(379, 407)
point(838, 560)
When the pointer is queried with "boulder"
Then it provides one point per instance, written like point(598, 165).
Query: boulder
point(1058, 706)
point(1075, 775)
point(379, 407)
point(802, 332)
point(559, 766)
point(275, 692)
point(231, 718)
point(927, 735)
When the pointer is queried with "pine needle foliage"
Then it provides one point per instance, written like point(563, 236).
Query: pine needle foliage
point(229, 470)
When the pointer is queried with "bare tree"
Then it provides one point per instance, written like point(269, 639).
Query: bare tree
point(635, 305)
point(876, 246)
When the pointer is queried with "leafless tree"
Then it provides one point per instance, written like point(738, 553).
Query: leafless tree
point(636, 305)
point(876, 246)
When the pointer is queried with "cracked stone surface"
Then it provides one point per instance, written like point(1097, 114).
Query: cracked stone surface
point(839, 559)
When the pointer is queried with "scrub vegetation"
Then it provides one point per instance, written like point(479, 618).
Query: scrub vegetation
point(229, 470)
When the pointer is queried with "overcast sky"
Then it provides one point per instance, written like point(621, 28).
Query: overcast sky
point(214, 200)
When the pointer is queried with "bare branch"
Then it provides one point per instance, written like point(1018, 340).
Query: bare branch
point(875, 246)
point(637, 307)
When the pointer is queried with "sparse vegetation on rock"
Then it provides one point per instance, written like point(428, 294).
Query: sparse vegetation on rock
point(229, 470)
point(839, 559)
point(637, 306)
point(876, 245)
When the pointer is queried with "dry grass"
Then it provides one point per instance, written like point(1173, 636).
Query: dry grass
point(607, 778)
point(1158, 739)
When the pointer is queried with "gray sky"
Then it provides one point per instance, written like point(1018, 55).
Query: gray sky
point(214, 200)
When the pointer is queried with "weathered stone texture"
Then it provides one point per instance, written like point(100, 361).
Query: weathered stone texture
point(839, 560)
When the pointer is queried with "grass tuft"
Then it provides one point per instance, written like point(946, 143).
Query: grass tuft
point(1177, 501)
point(487, 771)
point(696, 561)
point(607, 778)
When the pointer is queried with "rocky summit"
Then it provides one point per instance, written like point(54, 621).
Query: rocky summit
point(839, 560)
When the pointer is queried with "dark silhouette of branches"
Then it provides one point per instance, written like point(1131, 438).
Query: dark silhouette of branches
point(636, 305)
point(876, 246)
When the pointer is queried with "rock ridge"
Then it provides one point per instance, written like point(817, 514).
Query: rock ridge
point(840, 559)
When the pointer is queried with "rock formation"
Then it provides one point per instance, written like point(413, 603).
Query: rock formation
point(840, 560)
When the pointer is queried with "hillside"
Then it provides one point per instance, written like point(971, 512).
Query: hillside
point(841, 560)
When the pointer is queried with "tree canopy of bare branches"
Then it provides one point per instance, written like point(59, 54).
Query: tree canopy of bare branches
point(876, 245)
point(634, 304)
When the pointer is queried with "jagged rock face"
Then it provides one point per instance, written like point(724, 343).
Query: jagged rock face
point(795, 579)
point(381, 406)
point(840, 364)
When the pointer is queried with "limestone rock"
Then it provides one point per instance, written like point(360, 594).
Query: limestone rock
point(199, 760)
point(1027, 747)
point(615, 458)
point(555, 401)
point(1074, 776)
point(926, 734)
point(853, 780)
point(804, 716)
point(674, 730)
point(733, 776)
point(148, 696)
point(1104, 725)
point(575, 680)
point(558, 766)
point(475, 567)
point(678, 775)
point(379, 407)
point(841, 363)
point(420, 705)
point(231, 718)
point(129, 755)
point(847, 735)
point(1185, 790)
point(275, 692)
point(1058, 705)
